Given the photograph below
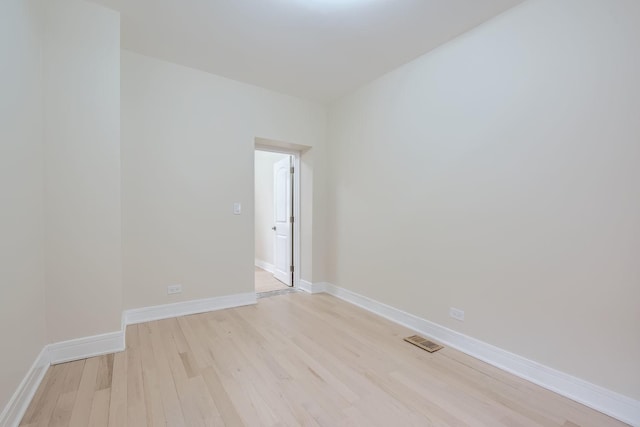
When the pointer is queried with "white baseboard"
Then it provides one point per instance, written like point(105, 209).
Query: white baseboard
point(98, 345)
point(148, 314)
point(52, 354)
point(82, 348)
point(312, 288)
point(265, 266)
point(599, 398)
point(303, 285)
point(606, 401)
point(19, 402)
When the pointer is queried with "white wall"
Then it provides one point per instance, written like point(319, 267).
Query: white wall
point(264, 210)
point(187, 156)
point(59, 178)
point(82, 169)
point(499, 175)
point(22, 303)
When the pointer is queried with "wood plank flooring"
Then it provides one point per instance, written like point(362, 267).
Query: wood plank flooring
point(290, 360)
point(265, 282)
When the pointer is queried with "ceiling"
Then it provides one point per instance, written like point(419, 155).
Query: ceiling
point(315, 49)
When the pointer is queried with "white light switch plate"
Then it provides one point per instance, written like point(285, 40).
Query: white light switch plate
point(237, 208)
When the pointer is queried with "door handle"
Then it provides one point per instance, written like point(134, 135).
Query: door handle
point(273, 228)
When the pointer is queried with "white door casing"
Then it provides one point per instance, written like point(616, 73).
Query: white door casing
point(282, 216)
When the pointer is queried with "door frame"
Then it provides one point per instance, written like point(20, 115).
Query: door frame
point(296, 204)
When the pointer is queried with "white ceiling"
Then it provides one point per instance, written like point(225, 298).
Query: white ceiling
point(316, 49)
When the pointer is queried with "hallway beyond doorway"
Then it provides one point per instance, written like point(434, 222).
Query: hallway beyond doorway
point(265, 281)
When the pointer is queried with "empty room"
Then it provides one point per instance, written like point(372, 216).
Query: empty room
point(320, 212)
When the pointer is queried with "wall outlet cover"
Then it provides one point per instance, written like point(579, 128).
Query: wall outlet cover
point(174, 289)
point(456, 313)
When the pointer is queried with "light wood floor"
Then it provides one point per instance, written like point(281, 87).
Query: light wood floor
point(292, 359)
point(265, 281)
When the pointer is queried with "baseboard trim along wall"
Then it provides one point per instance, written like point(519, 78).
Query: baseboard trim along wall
point(606, 401)
point(265, 265)
point(19, 402)
point(311, 288)
point(52, 354)
point(166, 311)
point(599, 398)
point(97, 345)
point(82, 348)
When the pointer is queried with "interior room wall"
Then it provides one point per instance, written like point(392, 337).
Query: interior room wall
point(264, 210)
point(81, 78)
point(22, 304)
point(499, 175)
point(187, 156)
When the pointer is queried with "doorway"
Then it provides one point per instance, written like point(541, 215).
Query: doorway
point(275, 208)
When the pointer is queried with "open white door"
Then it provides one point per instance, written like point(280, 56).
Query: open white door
point(283, 221)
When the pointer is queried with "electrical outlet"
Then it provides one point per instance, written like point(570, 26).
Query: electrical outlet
point(174, 289)
point(456, 313)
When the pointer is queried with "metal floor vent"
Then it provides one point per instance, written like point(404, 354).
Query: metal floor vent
point(423, 343)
